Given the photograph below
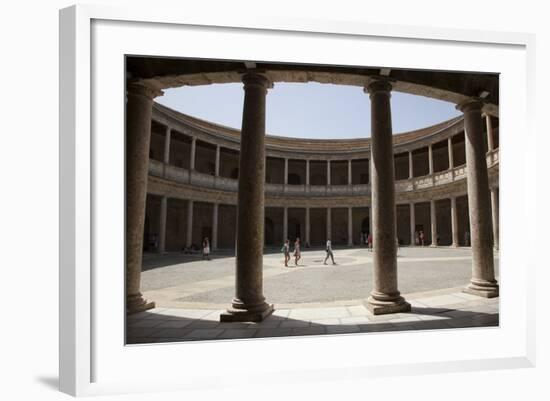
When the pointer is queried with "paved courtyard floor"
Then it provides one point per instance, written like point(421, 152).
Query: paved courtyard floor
point(310, 299)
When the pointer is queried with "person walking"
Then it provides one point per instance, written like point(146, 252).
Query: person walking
point(421, 237)
point(369, 242)
point(297, 252)
point(329, 253)
point(286, 251)
point(206, 248)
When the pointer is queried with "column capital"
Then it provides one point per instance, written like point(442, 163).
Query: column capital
point(142, 89)
point(473, 103)
point(375, 85)
point(256, 78)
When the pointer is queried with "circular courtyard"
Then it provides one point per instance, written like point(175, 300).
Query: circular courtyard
point(187, 281)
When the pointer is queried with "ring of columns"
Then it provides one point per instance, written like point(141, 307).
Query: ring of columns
point(392, 186)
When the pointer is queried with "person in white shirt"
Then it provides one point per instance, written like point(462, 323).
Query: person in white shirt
point(329, 253)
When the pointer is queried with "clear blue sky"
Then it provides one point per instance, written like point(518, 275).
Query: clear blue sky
point(309, 110)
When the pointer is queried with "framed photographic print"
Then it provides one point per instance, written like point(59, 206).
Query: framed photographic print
point(327, 197)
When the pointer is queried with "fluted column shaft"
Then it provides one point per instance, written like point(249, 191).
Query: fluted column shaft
point(483, 281)
point(138, 138)
point(411, 171)
point(385, 296)
point(249, 302)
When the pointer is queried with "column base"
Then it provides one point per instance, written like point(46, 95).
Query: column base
point(136, 303)
point(382, 304)
point(485, 289)
point(247, 313)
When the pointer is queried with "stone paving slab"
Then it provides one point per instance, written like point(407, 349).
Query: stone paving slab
point(441, 311)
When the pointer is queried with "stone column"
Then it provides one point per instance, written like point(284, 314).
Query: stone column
point(350, 226)
point(494, 208)
point(483, 281)
point(385, 296)
point(490, 142)
point(350, 176)
point(454, 222)
point(139, 106)
point(450, 148)
point(193, 152)
point(214, 238)
point(308, 238)
point(167, 139)
point(413, 225)
point(433, 222)
point(285, 223)
point(249, 302)
point(307, 172)
point(286, 172)
point(162, 224)
point(329, 223)
point(328, 173)
point(217, 168)
point(431, 159)
point(370, 220)
point(411, 170)
point(189, 233)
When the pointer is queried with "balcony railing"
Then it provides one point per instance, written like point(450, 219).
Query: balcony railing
point(184, 176)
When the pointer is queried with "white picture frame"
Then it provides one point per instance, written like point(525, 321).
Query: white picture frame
point(95, 361)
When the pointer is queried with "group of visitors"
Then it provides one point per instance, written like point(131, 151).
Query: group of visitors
point(193, 248)
point(298, 254)
point(419, 237)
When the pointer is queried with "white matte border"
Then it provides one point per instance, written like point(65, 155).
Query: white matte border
point(196, 365)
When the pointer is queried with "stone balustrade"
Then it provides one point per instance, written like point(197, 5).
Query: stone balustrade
point(184, 176)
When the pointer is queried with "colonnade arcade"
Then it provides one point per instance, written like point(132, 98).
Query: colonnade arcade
point(392, 191)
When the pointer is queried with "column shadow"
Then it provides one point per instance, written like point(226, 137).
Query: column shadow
point(166, 328)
